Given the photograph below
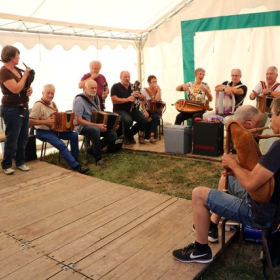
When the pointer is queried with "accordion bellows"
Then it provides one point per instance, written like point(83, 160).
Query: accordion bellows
point(63, 121)
point(107, 118)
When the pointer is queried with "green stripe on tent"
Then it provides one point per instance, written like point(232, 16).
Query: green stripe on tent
point(189, 28)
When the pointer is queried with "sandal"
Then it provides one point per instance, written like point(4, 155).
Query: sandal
point(141, 139)
point(152, 140)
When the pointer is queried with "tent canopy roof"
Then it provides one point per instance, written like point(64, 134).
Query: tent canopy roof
point(122, 19)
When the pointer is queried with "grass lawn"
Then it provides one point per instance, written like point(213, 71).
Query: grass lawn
point(175, 176)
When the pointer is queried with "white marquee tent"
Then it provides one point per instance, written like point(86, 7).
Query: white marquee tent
point(58, 39)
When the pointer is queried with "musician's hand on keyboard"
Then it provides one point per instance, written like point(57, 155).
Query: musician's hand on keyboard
point(49, 122)
point(130, 98)
point(266, 91)
point(102, 127)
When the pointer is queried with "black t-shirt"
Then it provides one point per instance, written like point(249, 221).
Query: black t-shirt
point(239, 98)
point(120, 91)
point(265, 212)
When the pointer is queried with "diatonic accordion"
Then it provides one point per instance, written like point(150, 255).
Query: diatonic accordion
point(111, 120)
point(63, 121)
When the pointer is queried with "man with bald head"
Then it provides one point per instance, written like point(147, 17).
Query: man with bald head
point(83, 106)
point(269, 88)
point(249, 117)
point(234, 87)
point(126, 102)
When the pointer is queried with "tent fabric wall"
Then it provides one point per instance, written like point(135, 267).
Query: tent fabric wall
point(63, 60)
point(210, 50)
point(64, 69)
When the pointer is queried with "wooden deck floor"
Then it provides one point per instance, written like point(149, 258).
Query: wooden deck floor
point(58, 224)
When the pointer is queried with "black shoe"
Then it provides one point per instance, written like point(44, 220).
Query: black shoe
point(132, 140)
point(213, 235)
point(190, 254)
point(126, 141)
point(101, 164)
point(90, 151)
point(81, 169)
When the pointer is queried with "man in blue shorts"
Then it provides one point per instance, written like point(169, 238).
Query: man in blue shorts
point(237, 205)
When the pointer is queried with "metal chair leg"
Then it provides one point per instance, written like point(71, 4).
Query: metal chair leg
point(43, 149)
point(267, 255)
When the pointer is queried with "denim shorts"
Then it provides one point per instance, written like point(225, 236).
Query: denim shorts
point(235, 205)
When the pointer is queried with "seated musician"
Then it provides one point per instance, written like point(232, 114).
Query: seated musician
point(234, 88)
point(249, 117)
point(41, 118)
point(152, 92)
point(196, 91)
point(83, 106)
point(126, 102)
point(237, 205)
point(269, 88)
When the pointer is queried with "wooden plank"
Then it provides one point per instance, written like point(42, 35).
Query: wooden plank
point(69, 275)
point(153, 252)
point(168, 268)
point(34, 207)
point(41, 268)
point(92, 200)
point(99, 230)
point(125, 257)
point(18, 260)
point(103, 213)
point(84, 249)
point(8, 246)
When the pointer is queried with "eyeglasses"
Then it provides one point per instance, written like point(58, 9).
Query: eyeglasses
point(235, 75)
point(93, 87)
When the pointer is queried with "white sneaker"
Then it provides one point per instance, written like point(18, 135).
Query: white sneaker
point(23, 167)
point(9, 171)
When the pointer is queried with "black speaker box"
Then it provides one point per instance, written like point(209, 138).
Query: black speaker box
point(208, 138)
point(30, 149)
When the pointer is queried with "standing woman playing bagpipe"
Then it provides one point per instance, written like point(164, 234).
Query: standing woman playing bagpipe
point(14, 109)
point(152, 92)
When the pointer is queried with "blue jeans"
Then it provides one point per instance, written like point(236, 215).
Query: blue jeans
point(127, 121)
point(154, 121)
point(16, 135)
point(235, 206)
point(181, 117)
point(54, 138)
point(93, 133)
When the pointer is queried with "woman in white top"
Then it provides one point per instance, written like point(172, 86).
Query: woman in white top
point(152, 92)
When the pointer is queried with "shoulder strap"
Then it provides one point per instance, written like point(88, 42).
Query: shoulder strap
point(44, 103)
point(90, 102)
point(275, 86)
point(263, 84)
